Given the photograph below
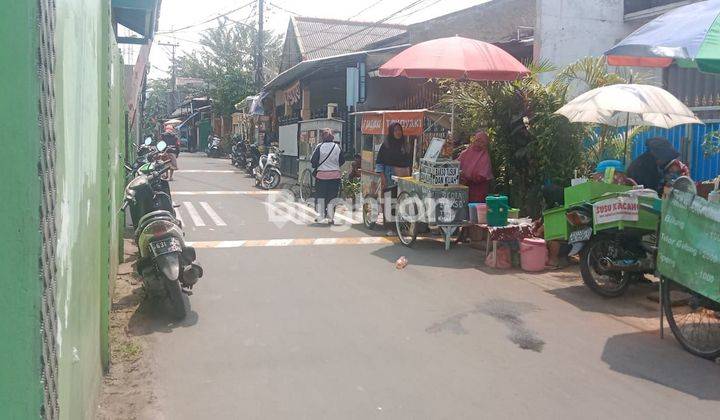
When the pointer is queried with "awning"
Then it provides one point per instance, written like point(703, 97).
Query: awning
point(139, 16)
point(304, 68)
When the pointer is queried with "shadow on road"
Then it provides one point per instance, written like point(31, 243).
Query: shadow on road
point(644, 355)
point(633, 303)
point(153, 315)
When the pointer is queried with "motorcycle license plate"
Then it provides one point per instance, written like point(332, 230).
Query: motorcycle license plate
point(165, 246)
point(581, 235)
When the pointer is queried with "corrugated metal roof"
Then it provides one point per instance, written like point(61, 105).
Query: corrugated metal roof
point(318, 38)
point(304, 67)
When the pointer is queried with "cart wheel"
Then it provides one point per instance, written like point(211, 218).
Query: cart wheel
point(307, 185)
point(695, 323)
point(370, 212)
point(406, 219)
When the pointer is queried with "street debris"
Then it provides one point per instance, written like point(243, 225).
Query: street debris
point(401, 263)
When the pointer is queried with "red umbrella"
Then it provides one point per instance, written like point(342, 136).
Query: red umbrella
point(455, 58)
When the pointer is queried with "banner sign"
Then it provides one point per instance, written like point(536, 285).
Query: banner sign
point(615, 209)
point(372, 124)
point(689, 249)
point(411, 122)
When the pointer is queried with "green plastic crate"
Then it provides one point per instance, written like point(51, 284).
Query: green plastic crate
point(556, 224)
point(590, 191)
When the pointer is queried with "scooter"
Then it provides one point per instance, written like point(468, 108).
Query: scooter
point(237, 157)
point(267, 172)
point(148, 188)
point(213, 150)
point(252, 158)
point(166, 264)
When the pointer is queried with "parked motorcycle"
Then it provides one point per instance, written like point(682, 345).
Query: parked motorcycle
point(238, 152)
point(252, 158)
point(149, 188)
point(615, 254)
point(166, 264)
point(267, 172)
point(214, 150)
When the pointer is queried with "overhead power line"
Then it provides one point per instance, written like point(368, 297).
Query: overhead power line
point(207, 20)
point(365, 10)
point(374, 24)
point(344, 22)
point(282, 8)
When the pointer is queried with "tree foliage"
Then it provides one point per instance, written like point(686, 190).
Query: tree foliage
point(225, 61)
point(531, 145)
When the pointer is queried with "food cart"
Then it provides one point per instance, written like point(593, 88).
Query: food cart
point(687, 261)
point(420, 126)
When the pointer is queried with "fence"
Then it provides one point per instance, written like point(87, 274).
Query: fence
point(688, 140)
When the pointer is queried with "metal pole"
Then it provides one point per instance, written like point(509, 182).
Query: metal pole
point(259, 79)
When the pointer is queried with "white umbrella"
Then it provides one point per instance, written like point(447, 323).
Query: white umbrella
point(629, 105)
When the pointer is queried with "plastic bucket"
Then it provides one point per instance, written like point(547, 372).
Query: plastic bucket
point(472, 207)
point(481, 213)
point(533, 254)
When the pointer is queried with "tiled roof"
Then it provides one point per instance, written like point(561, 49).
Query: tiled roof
point(319, 38)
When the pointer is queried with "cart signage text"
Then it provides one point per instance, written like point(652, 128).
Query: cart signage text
point(616, 209)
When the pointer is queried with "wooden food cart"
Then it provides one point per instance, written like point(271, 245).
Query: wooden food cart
point(420, 126)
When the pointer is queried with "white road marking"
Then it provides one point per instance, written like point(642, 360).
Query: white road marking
point(278, 212)
point(194, 215)
point(208, 171)
point(338, 213)
point(179, 216)
point(214, 216)
point(253, 243)
point(251, 192)
point(279, 242)
point(298, 211)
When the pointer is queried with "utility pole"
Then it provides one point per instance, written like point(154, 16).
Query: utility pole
point(173, 81)
point(259, 79)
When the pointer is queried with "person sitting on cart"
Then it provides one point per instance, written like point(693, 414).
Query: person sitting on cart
point(649, 169)
point(476, 168)
point(393, 158)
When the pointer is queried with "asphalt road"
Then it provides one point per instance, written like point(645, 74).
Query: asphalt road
point(285, 326)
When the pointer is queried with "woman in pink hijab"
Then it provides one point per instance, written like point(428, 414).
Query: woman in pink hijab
point(476, 168)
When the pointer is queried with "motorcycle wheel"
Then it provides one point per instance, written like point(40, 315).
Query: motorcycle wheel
point(270, 180)
point(696, 324)
point(179, 302)
point(605, 284)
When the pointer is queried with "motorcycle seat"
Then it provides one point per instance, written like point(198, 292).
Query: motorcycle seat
point(152, 216)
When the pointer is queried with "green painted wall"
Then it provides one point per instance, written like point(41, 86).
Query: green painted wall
point(89, 124)
point(21, 392)
point(89, 148)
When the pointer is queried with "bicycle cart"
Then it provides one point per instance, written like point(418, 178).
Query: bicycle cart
point(423, 208)
point(689, 266)
point(419, 125)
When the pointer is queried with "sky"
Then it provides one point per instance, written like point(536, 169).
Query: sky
point(176, 14)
